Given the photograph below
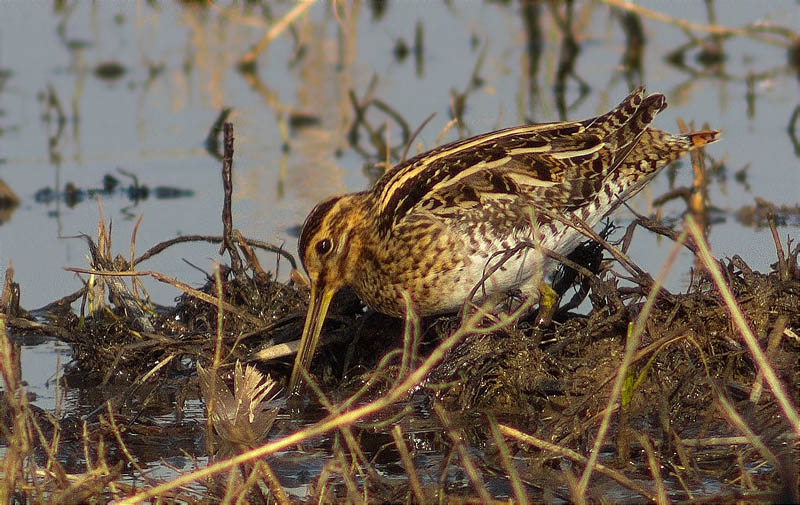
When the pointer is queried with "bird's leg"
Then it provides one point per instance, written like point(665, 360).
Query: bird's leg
point(548, 303)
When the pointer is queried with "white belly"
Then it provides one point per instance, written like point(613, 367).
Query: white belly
point(510, 270)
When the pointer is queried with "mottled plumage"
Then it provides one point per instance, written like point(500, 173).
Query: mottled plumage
point(431, 224)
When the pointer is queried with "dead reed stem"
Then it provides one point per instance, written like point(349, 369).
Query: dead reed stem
point(751, 31)
point(635, 332)
point(574, 456)
point(408, 464)
point(520, 496)
point(276, 30)
point(469, 467)
point(764, 367)
point(655, 469)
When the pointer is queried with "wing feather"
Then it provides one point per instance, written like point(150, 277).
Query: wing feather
point(559, 165)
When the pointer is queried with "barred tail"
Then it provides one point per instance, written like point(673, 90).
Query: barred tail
point(701, 138)
point(656, 149)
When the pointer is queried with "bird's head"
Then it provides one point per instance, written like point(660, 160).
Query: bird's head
point(330, 245)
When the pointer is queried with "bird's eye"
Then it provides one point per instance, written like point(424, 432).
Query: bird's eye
point(323, 246)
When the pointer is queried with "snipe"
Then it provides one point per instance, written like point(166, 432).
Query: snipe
point(431, 224)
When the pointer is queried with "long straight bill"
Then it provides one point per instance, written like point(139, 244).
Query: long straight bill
point(317, 309)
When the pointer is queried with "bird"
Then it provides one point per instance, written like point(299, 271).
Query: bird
point(431, 225)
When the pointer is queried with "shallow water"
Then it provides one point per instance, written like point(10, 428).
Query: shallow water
point(67, 116)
